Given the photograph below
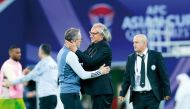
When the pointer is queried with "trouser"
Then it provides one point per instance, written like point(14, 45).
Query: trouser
point(71, 100)
point(14, 103)
point(102, 101)
point(145, 100)
point(48, 102)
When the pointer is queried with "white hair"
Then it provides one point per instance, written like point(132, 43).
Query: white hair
point(143, 36)
point(104, 31)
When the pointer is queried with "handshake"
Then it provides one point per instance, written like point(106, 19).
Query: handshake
point(6, 83)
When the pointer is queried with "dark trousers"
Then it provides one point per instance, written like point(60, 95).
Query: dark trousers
point(48, 102)
point(144, 101)
point(102, 101)
point(71, 100)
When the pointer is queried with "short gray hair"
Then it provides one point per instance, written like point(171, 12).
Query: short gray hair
point(72, 34)
point(104, 31)
point(145, 39)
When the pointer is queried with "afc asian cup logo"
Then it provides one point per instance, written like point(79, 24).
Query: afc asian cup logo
point(102, 13)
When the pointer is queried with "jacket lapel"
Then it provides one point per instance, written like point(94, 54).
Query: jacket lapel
point(133, 59)
point(149, 60)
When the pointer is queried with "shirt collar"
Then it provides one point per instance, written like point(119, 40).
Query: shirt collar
point(13, 60)
point(46, 57)
point(97, 43)
point(64, 47)
point(145, 52)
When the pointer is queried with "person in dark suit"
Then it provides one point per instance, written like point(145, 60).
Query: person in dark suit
point(97, 54)
point(147, 76)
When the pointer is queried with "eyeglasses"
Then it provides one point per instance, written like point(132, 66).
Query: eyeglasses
point(93, 33)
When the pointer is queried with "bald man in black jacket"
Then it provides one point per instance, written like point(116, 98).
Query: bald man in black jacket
point(147, 76)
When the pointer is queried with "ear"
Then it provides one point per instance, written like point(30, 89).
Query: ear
point(72, 41)
point(10, 53)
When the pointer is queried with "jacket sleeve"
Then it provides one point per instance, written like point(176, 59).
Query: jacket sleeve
point(164, 77)
point(126, 79)
point(38, 70)
point(99, 56)
point(72, 61)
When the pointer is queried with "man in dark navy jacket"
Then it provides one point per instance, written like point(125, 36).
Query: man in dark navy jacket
point(147, 76)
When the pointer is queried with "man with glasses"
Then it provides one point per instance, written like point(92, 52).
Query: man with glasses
point(98, 53)
point(70, 71)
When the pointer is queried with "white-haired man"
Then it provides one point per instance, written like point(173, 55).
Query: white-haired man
point(147, 76)
point(97, 54)
point(70, 72)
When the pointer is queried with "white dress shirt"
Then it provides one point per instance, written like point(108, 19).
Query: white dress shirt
point(137, 68)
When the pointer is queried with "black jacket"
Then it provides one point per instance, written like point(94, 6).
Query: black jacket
point(157, 76)
point(95, 56)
